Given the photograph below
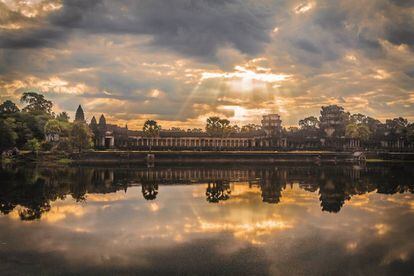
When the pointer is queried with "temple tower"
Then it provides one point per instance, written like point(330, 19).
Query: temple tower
point(80, 116)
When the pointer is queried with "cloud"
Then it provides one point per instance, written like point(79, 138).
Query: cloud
point(204, 56)
point(197, 28)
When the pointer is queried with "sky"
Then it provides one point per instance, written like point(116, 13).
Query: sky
point(181, 61)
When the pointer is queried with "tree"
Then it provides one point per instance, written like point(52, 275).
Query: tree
point(309, 123)
point(194, 130)
point(235, 129)
point(309, 126)
point(213, 125)
point(357, 131)
point(358, 118)
point(177, 129)
point(52, 128)
point(8, 107)
point(24, 133)
point(410, 132)
point(373, 124)
point(151, 129)
point(397, 127)
point(218, 127)
point(251, 128)
point(63, 117)
point(8, 136)
point(33, 145)
point(36, 103)
point(80, 136)
point(225, 127)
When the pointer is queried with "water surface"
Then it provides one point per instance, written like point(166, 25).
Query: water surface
point(277, 220)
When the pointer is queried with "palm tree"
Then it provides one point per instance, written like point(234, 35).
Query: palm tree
point(151, 129)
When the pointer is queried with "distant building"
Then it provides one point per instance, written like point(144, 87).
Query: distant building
point(272, 125)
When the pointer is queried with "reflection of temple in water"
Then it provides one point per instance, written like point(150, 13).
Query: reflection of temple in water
point(272, 183)
point(33, 189)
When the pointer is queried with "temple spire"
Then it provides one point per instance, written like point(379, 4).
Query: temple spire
point(80, 116)
point(102, 120)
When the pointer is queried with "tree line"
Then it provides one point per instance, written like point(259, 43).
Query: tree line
point(29, 127)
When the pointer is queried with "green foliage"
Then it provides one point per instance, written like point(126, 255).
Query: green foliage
point(52, 127)
point(33, 145)
point(8, 136)
point(36, 103)
point(64, 145)
point(309, 126)
point(46, 146)
point(250, 128)
point(35, 122)
point(396, 128)
point(358, 131)
point(151, 128)
point(8, 107)
point(63, 117)
point(80, 136)
point(218, 127)
point(309, 123)
point(64, 161)
point(410, 132)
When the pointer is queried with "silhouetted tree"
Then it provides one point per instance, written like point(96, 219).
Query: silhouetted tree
point(63, 117)
point(80, 136)
point(8, 107)
point(36, 103)
point(218, 191)
point(151, 129)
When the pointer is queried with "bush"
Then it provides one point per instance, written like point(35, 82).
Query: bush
point(33, 145)
point(64, 145)
point(46, 146)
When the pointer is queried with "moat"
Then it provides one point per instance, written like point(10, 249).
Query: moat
point(208, 219)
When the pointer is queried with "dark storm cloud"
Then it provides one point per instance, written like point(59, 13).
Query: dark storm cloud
point(399, 27)
point(196, 28)
point(28, 38)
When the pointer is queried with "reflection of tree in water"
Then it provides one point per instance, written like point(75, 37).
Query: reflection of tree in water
point(218, 190)
point(149, 184)
point(272, 185)
point(34, 189)
point(149, 189)
point(33, 195)
point(395, 180)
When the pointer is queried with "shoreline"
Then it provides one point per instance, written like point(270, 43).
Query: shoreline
point(207, 157)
